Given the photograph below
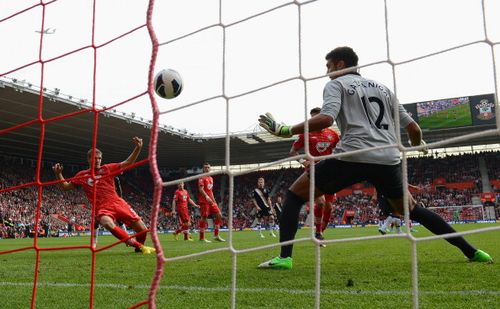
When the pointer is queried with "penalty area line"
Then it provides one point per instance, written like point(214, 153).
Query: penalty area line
point(250, 290)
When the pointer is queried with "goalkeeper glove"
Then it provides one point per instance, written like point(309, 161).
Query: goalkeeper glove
point(279, 129)
point(424, 150)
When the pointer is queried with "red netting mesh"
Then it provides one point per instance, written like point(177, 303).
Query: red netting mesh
point(42, 122)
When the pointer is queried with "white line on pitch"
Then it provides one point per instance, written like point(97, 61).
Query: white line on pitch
point(250, 290)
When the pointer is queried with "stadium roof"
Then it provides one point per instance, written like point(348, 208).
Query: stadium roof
point(67, 140)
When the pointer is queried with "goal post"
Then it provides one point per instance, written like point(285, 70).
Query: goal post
point(460, 214)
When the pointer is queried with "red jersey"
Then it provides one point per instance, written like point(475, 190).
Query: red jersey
point(207, 182)
point(106, 191)
point(320, 143)
point(181, 198)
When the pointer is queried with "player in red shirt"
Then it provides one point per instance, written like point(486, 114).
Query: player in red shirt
point(321, 143)
point(208, 205)
point(109, 206)
point(180, 207)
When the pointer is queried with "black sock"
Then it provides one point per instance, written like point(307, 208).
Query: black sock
point(289, 221)
point(434, 223)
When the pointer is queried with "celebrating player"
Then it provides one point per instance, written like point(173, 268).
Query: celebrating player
point(180, 207)
point(321, 143)
point(262, 202)
point(364, 110)
point(109, 206)
point(119, 191)
point(208, 206)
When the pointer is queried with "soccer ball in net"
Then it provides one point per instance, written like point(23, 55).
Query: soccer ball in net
point(168, 84)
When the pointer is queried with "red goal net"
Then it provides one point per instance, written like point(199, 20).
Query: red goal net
point(37, 192)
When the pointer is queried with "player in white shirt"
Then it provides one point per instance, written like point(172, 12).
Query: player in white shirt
point(364, 111)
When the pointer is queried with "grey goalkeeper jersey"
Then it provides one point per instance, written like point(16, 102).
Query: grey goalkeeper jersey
point(363, 110)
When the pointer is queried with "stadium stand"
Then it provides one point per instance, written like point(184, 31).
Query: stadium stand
point(450, 180)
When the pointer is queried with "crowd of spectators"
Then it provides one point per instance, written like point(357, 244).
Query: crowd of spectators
point(61, 211)
point(492, 159)
point(422, 171)
point(18, 205)
point(441, 197)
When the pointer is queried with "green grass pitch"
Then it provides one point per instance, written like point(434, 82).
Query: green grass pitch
point(454, 117)
point(363, 274)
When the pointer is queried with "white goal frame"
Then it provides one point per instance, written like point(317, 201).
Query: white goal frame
point(461, 208)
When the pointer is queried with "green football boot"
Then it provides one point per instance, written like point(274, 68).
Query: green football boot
point(277, 263)
point(482, 257)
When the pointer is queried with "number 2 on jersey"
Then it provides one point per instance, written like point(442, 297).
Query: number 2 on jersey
point(380, 116)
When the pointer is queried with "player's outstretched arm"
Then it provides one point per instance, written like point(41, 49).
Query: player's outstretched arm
point(135, 153)
point(316, 123)
point(58, 168)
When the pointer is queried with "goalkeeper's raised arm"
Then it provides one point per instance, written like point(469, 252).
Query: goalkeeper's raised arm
point(316, 123)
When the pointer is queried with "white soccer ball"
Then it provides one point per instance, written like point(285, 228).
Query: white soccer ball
point(168, 84)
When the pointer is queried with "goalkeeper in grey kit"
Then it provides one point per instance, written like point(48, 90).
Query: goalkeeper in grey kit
point(364, 111)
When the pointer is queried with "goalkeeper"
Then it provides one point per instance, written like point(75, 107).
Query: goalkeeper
point(364, 110)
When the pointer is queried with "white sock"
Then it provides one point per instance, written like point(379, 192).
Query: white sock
point(387, 222)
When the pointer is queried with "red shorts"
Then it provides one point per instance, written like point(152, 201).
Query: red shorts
point(330, 198)
point(119, 212)
point(183, 215)
point(207, 209)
